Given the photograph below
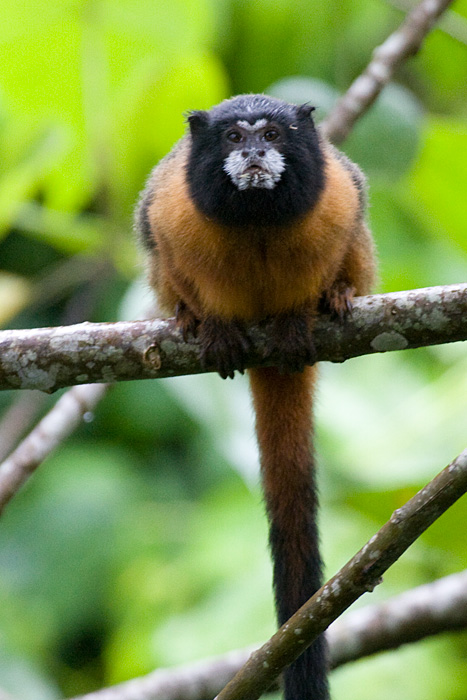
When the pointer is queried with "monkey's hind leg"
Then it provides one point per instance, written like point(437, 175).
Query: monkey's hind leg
point(355, 277)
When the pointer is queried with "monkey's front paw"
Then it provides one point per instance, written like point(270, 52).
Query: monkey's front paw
point(338, 299)
point(186, 320)
point(224, 346)
point(291, 342)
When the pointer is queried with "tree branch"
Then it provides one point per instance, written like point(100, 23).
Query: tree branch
point(51, 358)
point(196, 681)
point(55, 427)
point(452, 23)
point(362, 573)
point(18, 417)
point(24, 363)
point(406, 41)
point(112, 352)
point(422, 612)
point(416, 614)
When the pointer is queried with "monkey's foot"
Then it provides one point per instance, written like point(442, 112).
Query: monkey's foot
point(291, 342)
point(186, 320)
point(224, 345)
point(338, 299)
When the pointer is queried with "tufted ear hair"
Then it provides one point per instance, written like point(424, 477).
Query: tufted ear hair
point(304, 111)
point(197, 120)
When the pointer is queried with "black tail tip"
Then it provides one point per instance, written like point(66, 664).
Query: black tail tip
point(307, 677)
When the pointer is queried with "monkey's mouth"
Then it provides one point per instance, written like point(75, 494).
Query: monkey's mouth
point(255, 175)
point(254, 169)
point(253, 172)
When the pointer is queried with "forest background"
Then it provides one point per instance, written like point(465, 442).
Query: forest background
point(142, 541)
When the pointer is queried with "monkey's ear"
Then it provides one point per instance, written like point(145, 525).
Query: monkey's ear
point(197, 120)
point(304, 111)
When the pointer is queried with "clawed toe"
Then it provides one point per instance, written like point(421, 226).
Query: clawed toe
point(224, 346)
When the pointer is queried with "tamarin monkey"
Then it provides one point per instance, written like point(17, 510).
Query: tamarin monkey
point(254, 215)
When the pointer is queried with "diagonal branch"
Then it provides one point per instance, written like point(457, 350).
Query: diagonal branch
point(452, 23)
point(403, 43)
point(421, 612)
point(416, 614)
point(362, 573)
point(51, 358)
point(19, 416)
point(55, 427)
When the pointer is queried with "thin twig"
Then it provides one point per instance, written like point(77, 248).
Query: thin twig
point(18, 418)
point(51, 358)
point(452, 23)
point(53, 429)
point(406, 41)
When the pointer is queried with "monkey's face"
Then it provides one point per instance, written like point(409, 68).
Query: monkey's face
point(253, 154)
point(254, 161)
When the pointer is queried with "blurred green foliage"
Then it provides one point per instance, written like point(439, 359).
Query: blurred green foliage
point(142, 541)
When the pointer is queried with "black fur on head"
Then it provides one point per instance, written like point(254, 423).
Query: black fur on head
point(298, 186)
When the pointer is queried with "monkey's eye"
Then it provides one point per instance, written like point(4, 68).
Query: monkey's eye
point(234, 136)
point(271, 135)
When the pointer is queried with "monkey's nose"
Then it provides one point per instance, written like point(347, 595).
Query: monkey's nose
point(253, 152)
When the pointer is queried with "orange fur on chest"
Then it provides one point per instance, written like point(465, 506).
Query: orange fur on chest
point(234, 276)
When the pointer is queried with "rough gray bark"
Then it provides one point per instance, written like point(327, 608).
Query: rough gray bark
point(51, 358)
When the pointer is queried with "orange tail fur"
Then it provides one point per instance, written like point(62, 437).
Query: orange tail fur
point(284, 430)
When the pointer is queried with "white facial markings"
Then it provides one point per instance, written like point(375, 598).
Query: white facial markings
point(259, 124)
point(256, 163)
point(254, 171)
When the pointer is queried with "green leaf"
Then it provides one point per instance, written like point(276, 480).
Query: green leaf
point(409, 427)
point(67, 232)
point(384, 141)
point(22, 179)
point(65, 523)
point(276, 38)
point(152, 115)
point(437, 184)
point(441, 66)
point(77, 63)
point(409, 255)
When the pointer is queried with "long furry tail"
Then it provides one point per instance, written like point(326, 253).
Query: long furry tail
point(284, 428)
